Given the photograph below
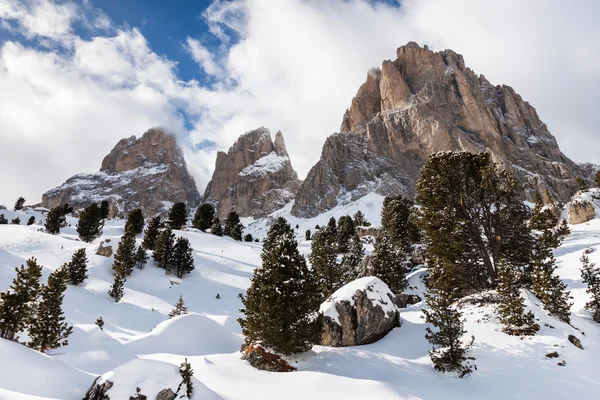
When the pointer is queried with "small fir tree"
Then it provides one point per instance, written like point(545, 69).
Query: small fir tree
point(307, 235)
point(597, 179)
point(281, 307)
point(135, 222)
point(90, 223)
point(178, 216)
point(346, 230)
point(100, 323)
point(11, 315)
point(203, 217)
point(141, 258)
point(104, 209)
point(3, 220)
point(323, 258)
point(352, 259)
point(233, 226)
point(360, 220)
point(582, 183)
point(117, 289)
point(332, 226)
point(66, 209)
point(16, 221)
point(248, 238)
point(77, 268)
point(125, 258)
point(183, 258)
point(542, 217)
point(180, 308)
point(186, 372)
point(138, 395)
point(49, 330)
point(216, 228)
point(151, 233)
point(31, 220)
point(55, 220)
point(590, 275)
point(397, 223)
point(511, 309)
point(19, 203)
point(387, 264)
point(163, 251)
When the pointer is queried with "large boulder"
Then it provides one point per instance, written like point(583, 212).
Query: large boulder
point(360, 312)
point(580, 211)
point(261, 359)
point(98, 390)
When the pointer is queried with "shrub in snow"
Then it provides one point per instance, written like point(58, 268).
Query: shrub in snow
point(19, 203)
point(178, 216)
point(203, 217)
point(135, 222)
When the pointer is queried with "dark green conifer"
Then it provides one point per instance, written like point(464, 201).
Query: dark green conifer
point(138, 395)
point(180, 308)
point(183, 257)
point(49, 330)
point(582, 183)
point(141, 258)
point(125, 258)
point(387, 264)
point(307, 235)
point(233, 226)
point(66, 209)
point(100, 323)
point(178, 216)
point(597, 179)
point(117, 289)
point(352, 259)
point(90, 223)
point(590, 275)
point(248, 238)
point(204, 216)
point(346, 230)
point(542, 217)
point(3, 220)
point(323, 258)
point(332, 226)
point(511, 309)
point(16, 221)
point(163, 251)
point(216, 228)
point(396, 221)
point(31, 220)
point(151, 233)
point(281, 307)
point(135, 222)
point(11, 315)
point(19, 203)
point(77, 268)
point(360, 220)
point(186, 372)
point(104, 209)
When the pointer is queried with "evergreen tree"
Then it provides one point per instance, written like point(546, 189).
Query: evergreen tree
point(323, 258)
point(511, 310)
point(19, 203)
point(346, 230)
point(248, 238)
point(233, 226)
point(100, 323)
point(183, 258)
point(449, 354)
point(104, 209)
point(49, 330)
point(590, 275)
point(140, 257)
point(204, 216)
point(186, 372)
point(16, 221)
point(332, 226)
point(151, 233)
point(396, 221)
point(163, 251)
point(582, 183)
point(387, 264)
point(117, 289)
point(360, 220)
point(125, 258)
point(3, 220)
point(216, 228)
point(54, 221)
point(178, 216)
point(138, 395)
point(352, 259)
point(90, 223)
point(281, 307)
point(307, 235)
point(66, 209)
point(31, 220)
point(135, 222)
point(542, 217)
point(11, 315)
point(180, 308)
point(597, 180)
point(77, 268)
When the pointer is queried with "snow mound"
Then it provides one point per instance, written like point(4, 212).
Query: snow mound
point(191, 334)
point(265, 165)
point(377, 291)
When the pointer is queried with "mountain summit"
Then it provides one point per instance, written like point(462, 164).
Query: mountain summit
point(421, 103)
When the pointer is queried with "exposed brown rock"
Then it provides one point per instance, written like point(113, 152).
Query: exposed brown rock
point(255, 177)
point(261, 359)
point(166, 394)
point(580, 211)
point(421, 103)
point(147, 173)
point(575, 341)
point(105, 250)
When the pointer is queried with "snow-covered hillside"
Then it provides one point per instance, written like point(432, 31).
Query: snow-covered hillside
point(141, 347)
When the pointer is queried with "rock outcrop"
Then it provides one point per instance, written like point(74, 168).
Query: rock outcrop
point(105, 249)
point(98, 390)
point(579, 212)
point(254, 178)
point(261, 359)
point(148, 173)
point(360, 312)
point(421, 103)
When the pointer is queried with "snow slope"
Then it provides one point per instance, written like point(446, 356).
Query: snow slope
point(140, 346)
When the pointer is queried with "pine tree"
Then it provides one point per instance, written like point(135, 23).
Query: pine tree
point(117, 289)
point(449, 354)
point(100, 323)
point(54, 220)
point(281, 307)
point(387, 264)
point(307, 235)
point(151, 233)
point(90, 223)
point(135, 222)
point(138, 395)
point(66, 209)
point(248, 238)
point(183, 258)
point(140, 257)
point(125, 259)
point(323, 258)
point(163, 250)
point(178, 216)
point(104, 209)
point(397, 223)
point(19, 203)
point(16, 221)
point(180, 308)
point(332, 226)
point(31, 220)
point(360, 220)
point(11, 315)
point(186, 372)
point(597, 180)
point(352, 259)
point(233, 226)
point(204, 216)
point(542, 217)
point(590, 275)
point(346, 230)
point(216, 228)
point(511, 310)
point(3, 220)
point(77, 268)
point(582, 183)
point(49, 330)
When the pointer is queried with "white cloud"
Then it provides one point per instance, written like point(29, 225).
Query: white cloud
point(203, 57)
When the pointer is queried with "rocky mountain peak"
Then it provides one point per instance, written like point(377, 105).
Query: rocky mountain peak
point(255, 177)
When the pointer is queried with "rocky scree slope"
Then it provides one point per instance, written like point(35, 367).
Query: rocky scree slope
point(424, 102)
point(149, 173)
point(254, 178)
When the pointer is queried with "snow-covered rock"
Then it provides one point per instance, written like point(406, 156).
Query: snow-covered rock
point(583, 205)
point(361, 312)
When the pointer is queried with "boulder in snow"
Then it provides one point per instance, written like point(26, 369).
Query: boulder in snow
point(98, 390)
point(575, 341)
point(580, 212)
point(166, 394)
point(360, 312)
point(104, 250)
point(261, 359)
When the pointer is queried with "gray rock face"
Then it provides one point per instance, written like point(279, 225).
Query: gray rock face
point(147, 173)
point(580, 211)
point(98, 391)
point(104, 250)
point(255, 177)
point(166, 394)
point(421, 103)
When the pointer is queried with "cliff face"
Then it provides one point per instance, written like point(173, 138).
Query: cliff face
point(149, 173)
point(424, 102)
point(254, 178)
